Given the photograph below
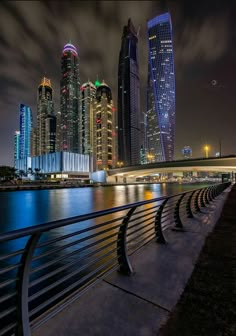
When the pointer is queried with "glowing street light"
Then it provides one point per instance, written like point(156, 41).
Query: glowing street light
point(120, 163)
point(206, 148)
point(150, 157)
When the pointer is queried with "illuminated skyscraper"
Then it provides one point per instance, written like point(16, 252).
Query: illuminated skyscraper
point(187, 152)
point(16, 146)
point(86, 125)
point(104, 122)
point(161, 89)
point(68, 123)
point(129, 118)
point(26, 122)
point(46, 123)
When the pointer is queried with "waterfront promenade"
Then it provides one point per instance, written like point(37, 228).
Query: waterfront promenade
point(141, 303)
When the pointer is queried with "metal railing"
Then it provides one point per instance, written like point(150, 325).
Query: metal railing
point(45, 267)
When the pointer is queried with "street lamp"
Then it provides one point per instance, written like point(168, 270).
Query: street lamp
point(150, 157)
point(120, 163)
point(206, 148)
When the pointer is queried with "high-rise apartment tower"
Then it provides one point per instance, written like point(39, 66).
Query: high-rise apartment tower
point(104, 122)
point(68, 122)
point(161, 89)
point(46, 120)
point(26, 122)
point(86, 124)
point(129, 116)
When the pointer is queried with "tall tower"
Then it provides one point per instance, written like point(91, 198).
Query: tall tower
point(16, 146)
point(161, 89)
point(46, 122)
point(104, 141)
point(26, 122)
point(129, 115)
point(86, 125)
point(68, 125)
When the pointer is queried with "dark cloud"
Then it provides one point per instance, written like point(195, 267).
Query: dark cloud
point(33, 34)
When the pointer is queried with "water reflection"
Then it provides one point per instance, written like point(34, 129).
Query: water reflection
point(26, 208)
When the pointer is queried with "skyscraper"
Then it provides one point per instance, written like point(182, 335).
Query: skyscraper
point(161, 89)
point(86, 125)
point(129, 115)
point(46, 123)
point(187, 152)
point(104, 141)
point(68, 125)
point(16, 146)
point(26, 122)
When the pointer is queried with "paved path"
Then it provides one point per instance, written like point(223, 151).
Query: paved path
point(140, 304)
point(208, 305)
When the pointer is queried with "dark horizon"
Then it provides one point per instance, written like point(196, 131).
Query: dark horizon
point(34, 33)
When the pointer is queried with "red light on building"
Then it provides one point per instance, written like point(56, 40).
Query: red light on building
point(98, 121)
point(63, 91)
point(113, 133)
point(113, 109)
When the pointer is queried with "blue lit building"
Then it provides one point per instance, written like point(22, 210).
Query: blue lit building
point(160, 89)
point(16, 146)
point(57, 165)
point(26, 122)
point(187, 152)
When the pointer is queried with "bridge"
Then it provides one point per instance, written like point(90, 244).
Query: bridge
point(223, 164)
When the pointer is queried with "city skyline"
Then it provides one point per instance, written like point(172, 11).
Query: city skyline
point(204, 69)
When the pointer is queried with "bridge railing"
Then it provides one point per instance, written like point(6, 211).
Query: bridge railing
point(46, 267)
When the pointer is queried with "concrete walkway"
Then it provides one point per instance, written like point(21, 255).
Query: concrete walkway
point(140, 304)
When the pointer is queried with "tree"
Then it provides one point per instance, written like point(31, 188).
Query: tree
point(37, 170)
point(7, 173)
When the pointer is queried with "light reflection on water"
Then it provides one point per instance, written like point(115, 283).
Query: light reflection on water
point(22, 209)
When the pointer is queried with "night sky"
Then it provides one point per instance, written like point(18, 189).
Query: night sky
point(33, 33)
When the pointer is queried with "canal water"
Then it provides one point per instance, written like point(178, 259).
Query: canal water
point(21, 209)
point(61, 265)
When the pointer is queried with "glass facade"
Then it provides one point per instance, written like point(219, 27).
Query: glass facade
point(46, 136)
point(161, 89)
point(68, 123)
point(16, 146)
point(26, 122)
point(129, 115)
point(58, 162)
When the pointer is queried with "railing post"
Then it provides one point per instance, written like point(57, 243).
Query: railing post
point(158, 229)
point(196, 205)
point(210, 194)
point(178, 222)
point(188, 206)
point(123, 259)
point(205, 196)
point(23, 326)
point(202, 204)
point(214, 192)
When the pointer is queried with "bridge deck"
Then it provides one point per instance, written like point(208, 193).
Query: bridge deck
point(139, 304)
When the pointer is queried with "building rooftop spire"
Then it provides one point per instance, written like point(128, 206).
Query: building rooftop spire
point(46, 82)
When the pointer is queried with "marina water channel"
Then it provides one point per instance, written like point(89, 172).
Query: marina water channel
point(22, 209)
